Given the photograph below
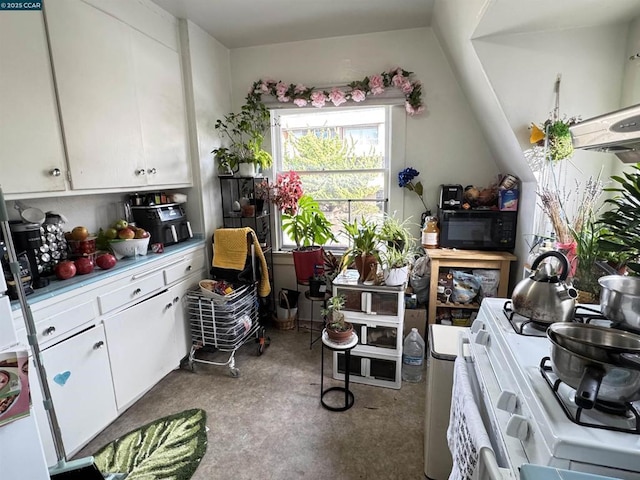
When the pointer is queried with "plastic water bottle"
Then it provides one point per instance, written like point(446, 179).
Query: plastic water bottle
point(412, 357)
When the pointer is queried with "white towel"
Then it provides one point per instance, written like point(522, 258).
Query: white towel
point(466, 434)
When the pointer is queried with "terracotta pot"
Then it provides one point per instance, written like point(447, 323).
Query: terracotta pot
point(364, 265)
point(340, 336)
point(304, 261)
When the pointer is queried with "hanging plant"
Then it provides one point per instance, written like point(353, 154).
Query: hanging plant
point(556, 135)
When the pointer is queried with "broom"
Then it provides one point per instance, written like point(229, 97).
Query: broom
point(81, 469)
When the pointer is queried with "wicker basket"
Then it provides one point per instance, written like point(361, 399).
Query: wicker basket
point(288, 323)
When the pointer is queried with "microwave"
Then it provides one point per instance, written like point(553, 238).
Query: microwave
point(478, 229)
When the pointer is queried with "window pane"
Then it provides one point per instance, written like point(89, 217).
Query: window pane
point(347, 186)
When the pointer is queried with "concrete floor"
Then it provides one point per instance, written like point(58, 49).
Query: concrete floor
point(268, 423)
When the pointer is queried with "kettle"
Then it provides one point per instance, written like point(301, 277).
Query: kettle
point(544, 297)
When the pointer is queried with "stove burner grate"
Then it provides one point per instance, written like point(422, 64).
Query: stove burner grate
point(625, 410)
point(530, 327)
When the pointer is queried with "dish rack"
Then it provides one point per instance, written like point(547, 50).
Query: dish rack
point(223, 324)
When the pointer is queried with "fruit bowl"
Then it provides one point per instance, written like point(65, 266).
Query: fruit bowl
point(129, 247)
point(82, 247)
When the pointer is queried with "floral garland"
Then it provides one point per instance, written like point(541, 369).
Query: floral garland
point(357, 91)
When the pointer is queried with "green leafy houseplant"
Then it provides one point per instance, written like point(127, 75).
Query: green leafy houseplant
point(333, 314)
point(364, 242)
point(623, 220)
point(245, 133)
point(395, 232)
point(308, 226)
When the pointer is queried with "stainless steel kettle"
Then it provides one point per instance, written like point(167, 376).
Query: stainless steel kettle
point(544, 297)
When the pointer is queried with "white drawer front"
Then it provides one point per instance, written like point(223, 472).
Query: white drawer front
point(53, 323)
point(132, 291)
point(192, 263)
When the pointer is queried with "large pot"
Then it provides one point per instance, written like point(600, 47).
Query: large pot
point(544, 297)
point(620, 301)
point(594, 380)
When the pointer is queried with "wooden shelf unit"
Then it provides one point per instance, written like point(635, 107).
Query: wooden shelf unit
point(452, 258)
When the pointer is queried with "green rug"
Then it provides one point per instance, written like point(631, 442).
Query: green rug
point(169, 448)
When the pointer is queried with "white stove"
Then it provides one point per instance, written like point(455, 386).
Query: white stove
point(528, 421)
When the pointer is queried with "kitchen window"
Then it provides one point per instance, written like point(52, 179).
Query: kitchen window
point(343, 159)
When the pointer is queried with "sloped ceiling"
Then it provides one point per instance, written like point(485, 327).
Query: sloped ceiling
point(244, 23)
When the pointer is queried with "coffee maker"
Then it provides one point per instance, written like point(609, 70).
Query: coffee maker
point(27, 238)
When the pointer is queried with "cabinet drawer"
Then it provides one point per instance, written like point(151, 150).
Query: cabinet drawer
point(53, 323)
point(132, 291)
point(192, 263)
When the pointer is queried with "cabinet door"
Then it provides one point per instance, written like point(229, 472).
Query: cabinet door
point(30, 137)
point(96, 86)
point(162, 111)
point(142, 346)
point(79, 378)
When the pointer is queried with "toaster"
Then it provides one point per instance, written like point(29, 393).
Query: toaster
point(450, 197)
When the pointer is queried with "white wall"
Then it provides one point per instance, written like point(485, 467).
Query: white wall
point(445, 144)
point(208, 77)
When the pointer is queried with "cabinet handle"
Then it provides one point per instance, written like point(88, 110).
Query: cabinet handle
point(55, 172)
point(176, 300)
point(168, 306)
point(49, 331)
point(141, 171)
point(152, 171)
point(98, 345)
point(137, 291)
point(189, 268)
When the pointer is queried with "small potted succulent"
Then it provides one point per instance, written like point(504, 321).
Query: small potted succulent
point(337, 328)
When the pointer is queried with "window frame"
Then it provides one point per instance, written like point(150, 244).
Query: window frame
point(395, 129)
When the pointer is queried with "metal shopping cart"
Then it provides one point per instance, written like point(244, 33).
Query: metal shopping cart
point(223, 324)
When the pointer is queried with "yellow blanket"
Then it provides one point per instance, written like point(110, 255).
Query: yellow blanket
point(230, 250)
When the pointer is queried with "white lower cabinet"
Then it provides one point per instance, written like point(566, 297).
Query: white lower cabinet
point(142, 344)
point(79, 377)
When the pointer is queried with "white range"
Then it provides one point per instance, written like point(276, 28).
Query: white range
point(527, 421)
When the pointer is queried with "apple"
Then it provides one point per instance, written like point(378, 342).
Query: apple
point(126, 233)
point(65, 269)
point(111, 233)
point(105, 261)
point(121, 224)
point(141, 233)
point(84, 265)
point(79, 233)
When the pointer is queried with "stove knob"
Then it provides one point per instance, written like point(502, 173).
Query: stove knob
point(482, 338)
point(507, 401)
point(477, 325)
point(518, 427)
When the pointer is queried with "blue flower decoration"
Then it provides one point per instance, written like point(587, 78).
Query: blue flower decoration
point(406, 176)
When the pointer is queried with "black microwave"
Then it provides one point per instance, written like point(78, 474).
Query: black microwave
point(478, 229)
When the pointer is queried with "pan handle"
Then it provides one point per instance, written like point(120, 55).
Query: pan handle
point(587, 391)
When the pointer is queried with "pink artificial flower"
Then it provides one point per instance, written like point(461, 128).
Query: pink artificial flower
point(397, 80)
point(301, 102)
point(406, 87)
point(357, 95)
point(318, 99)
point(337, 96)
point(283, 99)
point(300, 88)
point(281, 89)
point(376, 84)
point(411, 110)
point(264, 87)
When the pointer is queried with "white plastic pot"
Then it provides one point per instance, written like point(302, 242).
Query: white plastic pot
point(394, 277)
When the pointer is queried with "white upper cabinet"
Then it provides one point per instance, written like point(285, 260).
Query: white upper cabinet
point(31, 149)
point(121, 100)
point(161, 103)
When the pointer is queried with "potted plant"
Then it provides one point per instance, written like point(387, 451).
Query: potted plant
point(310, 230)
point(395, 264)
point(395, 232)
point(245, 133)
point(337, 328)
point(364, 242)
